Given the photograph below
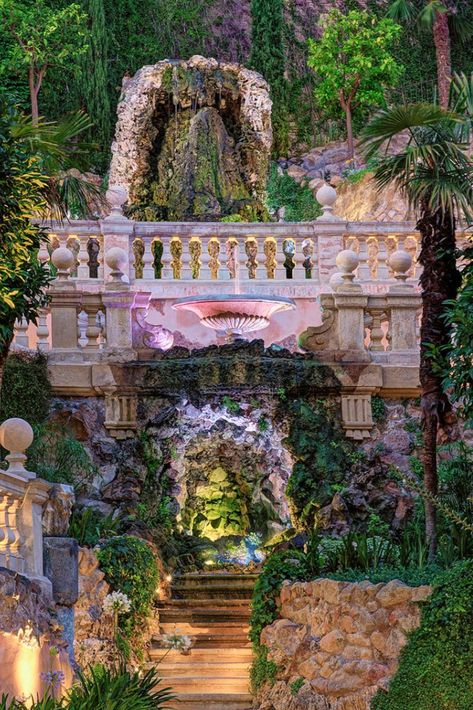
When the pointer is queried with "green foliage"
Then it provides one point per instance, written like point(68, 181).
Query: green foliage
point(434, 667)
point(88, 526)
point(41, 36)
point(26, 389)
point(296, 686)
point(378, 408)
point(280, 566)
point(353, 61)
point(268, 57)
point(130, 567)
point(104, 689)
point(59, 457)
point(22, 277)
point(262, 669)
point(284, 192)
point(320, 450)
point(356, 551)
point(230, 404)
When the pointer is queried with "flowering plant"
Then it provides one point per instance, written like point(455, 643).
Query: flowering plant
point(177, 642)
point(116, 603)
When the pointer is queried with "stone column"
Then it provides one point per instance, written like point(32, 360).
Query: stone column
point(404, 304)
point(117, 230)
point(329, 230)
point(118, 301)
point(351, 303)
point(65, 302)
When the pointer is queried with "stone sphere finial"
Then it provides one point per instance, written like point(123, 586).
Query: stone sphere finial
point(400, 262)
point(326, 197)
point(116, 197)
point(347, 261)
point(116, 259)
point(63, 259)
point(16, 435)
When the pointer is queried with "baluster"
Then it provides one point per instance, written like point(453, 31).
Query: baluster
point(251, 250)
point(82, 324)
point(308, 254)
point(100, 264)
point(391, 244)
point(83, 257)
point(148, 259)
point(101, 322)
point(138, 250)
point(232, 256)
point(21, 333)
point(376, 330)
point(157, 249)
point(93, 251)
point(176, 248)
point(42, 331)
point(372, 251)
point(271, 262)
point(195, 251)
point(289, 251)
point(73, 244)
point(213, 249)
point(411, 246)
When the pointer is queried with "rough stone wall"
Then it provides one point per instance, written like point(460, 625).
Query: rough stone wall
point(28, 631)
point(343, 639)
point(93, 627)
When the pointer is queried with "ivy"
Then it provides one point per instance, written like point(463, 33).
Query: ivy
point(435, 666)
point(130, 567)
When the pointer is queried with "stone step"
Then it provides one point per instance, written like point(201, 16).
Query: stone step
point(204, 670)
point(196, 684)
point(206, 701)
point(198, 655)
point(195, 629)
point(192, 614)
point(202, 585)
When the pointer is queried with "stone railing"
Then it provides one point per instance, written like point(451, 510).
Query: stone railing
point(171, 258)
point(22, 499)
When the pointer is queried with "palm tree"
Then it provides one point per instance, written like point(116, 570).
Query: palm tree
point(436, 175)
point(439, 17)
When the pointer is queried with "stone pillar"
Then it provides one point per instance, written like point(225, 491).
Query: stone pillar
point(351, 303)
point(65, 301)
point(404, 304)
point(329, 230)
point(118, 301)
point(22, 497)
point(117, 229)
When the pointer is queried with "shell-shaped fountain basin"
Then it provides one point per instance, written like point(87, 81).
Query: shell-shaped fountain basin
point(235, 314)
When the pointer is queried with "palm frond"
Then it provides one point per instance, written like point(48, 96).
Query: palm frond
point(401, 11)
point(427, 15)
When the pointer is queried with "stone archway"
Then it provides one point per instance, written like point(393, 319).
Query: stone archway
point(228, 472)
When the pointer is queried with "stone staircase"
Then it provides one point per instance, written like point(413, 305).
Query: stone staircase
point(213, 608)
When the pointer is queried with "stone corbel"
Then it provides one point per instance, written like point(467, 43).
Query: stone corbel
point(120, 414)
point(357, 416)
point(324, 336)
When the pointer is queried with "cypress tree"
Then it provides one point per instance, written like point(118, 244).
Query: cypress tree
point(93, 84)
point(268, 57)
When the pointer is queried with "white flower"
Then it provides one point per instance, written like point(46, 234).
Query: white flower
point(177, 642)
point(116, 602)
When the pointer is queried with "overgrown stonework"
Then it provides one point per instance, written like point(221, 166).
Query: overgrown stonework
point(336, 643)
point(193, 140)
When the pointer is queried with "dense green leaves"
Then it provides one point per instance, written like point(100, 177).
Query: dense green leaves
point(435, 666)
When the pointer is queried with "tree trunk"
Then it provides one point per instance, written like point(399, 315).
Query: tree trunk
point(33, 95)
point(440, 280)
point(350, 143)
point(444, 59)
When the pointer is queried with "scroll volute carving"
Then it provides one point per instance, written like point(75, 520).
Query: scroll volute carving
point(325, 335)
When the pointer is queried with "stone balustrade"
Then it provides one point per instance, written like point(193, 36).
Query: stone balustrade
point(22, 499)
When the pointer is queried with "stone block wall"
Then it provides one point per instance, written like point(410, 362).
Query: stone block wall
point(342, 639)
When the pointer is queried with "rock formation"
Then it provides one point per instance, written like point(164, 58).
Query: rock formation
point(193, 140)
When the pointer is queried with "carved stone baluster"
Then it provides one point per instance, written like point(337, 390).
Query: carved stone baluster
point(93, 251)
point(148, 259)
point(391, 243)
point(231, 248)
point(214, 250)
point(42, 331)
point(21, 333)
point(376, 330)
point(138, 250)
point(82, 324)
point(251, 250)
point(74, 245)
point(195, 251)
point(82, 270)
point(411, 246)
point(372, 251)
point(289, 251)
point(308, 254)
point(157, 249)
point(270, 251)
point(175, 247)
point(9, 537)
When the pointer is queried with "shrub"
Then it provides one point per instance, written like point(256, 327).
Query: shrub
point(435, 666)
point(57, 456)
point(262, 669)
point(298, 200)
point(26, 389)
point(88, 526)
point(130, 567)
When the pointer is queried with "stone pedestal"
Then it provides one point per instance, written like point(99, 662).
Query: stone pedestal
point(119, 306)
